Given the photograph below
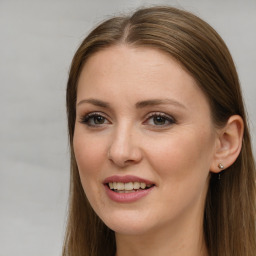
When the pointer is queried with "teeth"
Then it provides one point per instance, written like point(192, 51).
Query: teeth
point(143, 185)
point(136, 185)
point(120, 186)
point(111, 185)
point(129, 186)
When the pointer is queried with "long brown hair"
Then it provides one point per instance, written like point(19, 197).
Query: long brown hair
point(229, 223)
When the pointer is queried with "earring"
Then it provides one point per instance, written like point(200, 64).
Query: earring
point(221, 166)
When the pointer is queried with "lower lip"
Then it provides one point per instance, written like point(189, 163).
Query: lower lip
point(127, 197)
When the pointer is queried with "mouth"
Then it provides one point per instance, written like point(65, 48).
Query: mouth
point(128, 187)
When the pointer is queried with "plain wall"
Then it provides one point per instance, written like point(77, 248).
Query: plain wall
point(37, 42)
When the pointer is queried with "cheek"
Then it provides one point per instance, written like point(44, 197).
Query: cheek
point(90, 157)
point(182, 165)
point(88, 152)
point(182, 156)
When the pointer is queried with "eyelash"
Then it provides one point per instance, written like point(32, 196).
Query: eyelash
point(86, 119)
point(164, 116)
point(89, 117)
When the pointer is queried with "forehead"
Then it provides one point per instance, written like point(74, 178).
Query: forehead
point(132, 57)
point(137, 72)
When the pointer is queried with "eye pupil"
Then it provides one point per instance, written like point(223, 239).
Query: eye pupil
point(99, 120)
point(159, 120)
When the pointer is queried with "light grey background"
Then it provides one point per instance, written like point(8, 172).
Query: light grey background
point(37, 42)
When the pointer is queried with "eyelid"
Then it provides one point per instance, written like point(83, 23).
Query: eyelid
point(85, 117)
point(158, 113)
point(168, 117)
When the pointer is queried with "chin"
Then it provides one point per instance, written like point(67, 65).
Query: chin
point(128, 224)
point(131, 230)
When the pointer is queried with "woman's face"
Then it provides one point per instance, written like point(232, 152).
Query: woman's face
point(144, 141)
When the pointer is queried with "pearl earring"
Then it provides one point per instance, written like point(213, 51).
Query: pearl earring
point(221, 166)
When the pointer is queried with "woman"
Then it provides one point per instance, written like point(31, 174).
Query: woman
point(161, 159)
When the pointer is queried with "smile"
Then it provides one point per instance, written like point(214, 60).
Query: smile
point(129, 187)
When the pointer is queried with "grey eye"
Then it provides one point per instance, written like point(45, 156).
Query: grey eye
point(94, 119)
point(99, 119)
point(159, 120)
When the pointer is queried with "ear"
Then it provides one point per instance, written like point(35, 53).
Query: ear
point(229, 143)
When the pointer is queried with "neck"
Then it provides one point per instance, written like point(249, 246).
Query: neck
point(161, 244)
point(184, 238)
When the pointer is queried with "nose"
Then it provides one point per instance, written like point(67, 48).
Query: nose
point(124, 149)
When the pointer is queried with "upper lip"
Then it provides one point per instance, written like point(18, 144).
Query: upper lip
point(126, 179)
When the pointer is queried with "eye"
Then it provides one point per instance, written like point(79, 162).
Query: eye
point(159, 119)
point(94, 119)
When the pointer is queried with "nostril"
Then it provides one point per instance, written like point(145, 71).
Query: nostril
point(123, 150)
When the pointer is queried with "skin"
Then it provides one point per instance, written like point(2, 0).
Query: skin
point(177, 156)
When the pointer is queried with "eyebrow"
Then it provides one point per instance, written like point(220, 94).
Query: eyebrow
point(98, 103)
point(140, 104)
point(156, 102)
